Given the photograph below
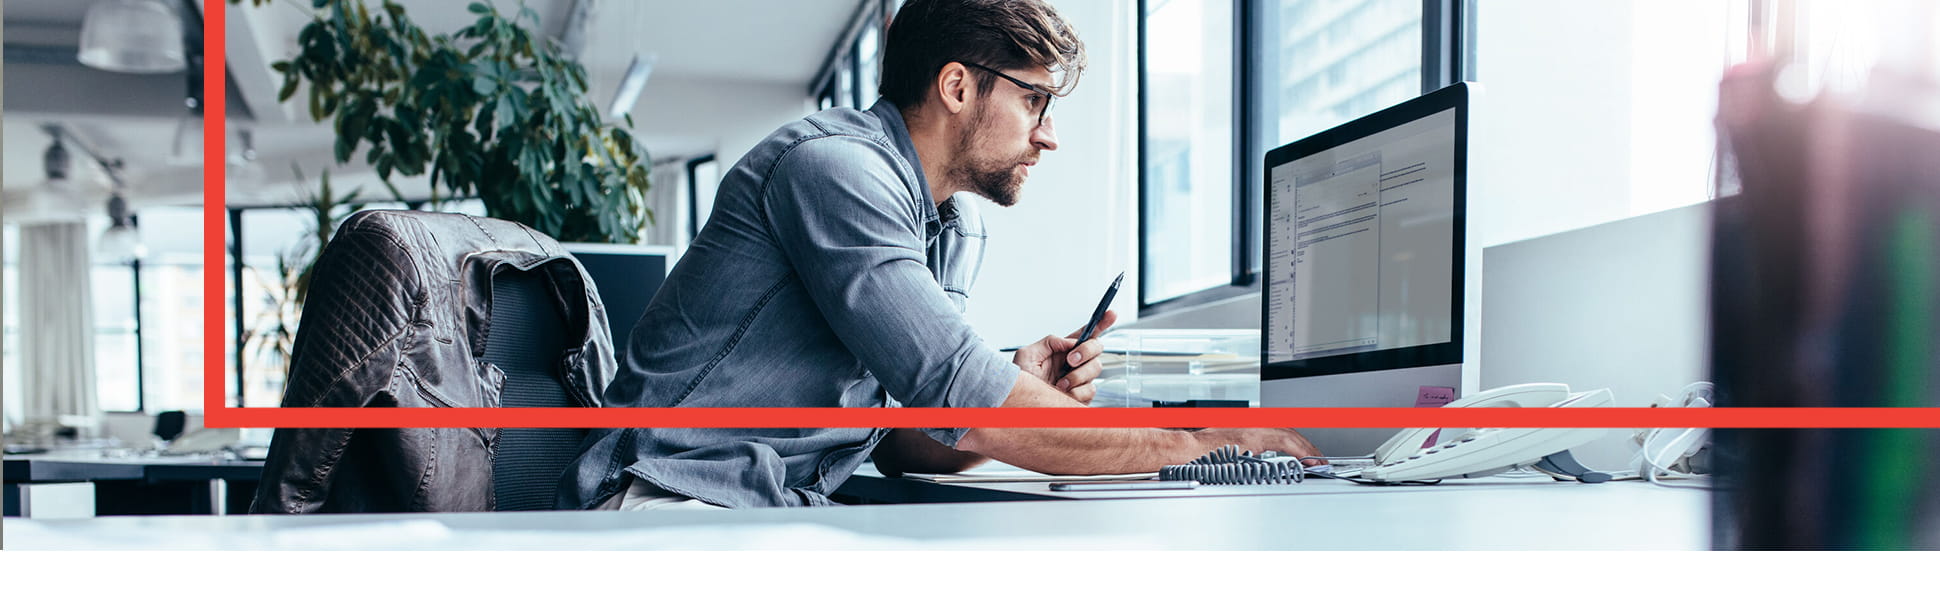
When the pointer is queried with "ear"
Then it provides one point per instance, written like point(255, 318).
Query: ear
point(953, 87)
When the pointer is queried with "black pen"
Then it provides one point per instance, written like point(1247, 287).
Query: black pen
point(1103, 304)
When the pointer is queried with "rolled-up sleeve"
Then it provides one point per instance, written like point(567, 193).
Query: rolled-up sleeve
point(854, 233)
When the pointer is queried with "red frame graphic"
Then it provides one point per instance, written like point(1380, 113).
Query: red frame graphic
point(218, 414)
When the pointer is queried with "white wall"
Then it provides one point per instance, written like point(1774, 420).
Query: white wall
point(1621, 305)
point(680, 118)
point(1051, 255)
point(686, 116)
point(1594, 111)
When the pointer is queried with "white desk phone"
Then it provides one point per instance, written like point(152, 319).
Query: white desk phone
point(1408, 456)
point(1421, 455)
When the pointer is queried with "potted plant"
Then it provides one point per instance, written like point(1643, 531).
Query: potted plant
point(492, 111)
point(271, 336)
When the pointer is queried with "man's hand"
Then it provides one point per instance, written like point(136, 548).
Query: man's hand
point(1064, 363)
point(1284, 441)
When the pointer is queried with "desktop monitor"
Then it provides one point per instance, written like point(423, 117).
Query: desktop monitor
point(627, 277)
point(1367, 270)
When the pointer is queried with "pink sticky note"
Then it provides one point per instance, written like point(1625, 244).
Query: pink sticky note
point(1433, 396)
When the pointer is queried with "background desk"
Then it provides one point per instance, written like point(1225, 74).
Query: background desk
point(134, 484)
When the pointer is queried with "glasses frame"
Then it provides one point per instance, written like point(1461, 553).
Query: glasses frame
point(1043, 112)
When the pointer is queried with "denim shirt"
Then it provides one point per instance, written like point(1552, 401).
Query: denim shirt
point(826, 277)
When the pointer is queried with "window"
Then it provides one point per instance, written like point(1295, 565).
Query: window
point(269, 238)
point(1334, 61)
point(868, 62)
point(845, 91)
point(117, 381)
point(170, 285)
point(1189, 175)
point(1219, 89)
point(703, 179)
point(147, 319)
point(10, 342)
point(116, 332)
point(854, 67)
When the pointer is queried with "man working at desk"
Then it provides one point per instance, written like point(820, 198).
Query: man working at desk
point(836, 267)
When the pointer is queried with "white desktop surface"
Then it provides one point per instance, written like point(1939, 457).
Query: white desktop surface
point(1477, 515)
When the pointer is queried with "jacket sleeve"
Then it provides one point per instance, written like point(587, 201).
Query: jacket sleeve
point(362, 299)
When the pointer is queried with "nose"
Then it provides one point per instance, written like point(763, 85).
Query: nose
point(1045, 136)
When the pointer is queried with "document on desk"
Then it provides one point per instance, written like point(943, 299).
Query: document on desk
point(1015, 475)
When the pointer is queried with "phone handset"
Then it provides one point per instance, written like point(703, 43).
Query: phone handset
point(1478, 452)
point(1512, 396)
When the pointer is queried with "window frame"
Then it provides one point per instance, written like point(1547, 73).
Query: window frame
point(1447, 56)
point(693, 194)
point(139, 330)
point(843, 59)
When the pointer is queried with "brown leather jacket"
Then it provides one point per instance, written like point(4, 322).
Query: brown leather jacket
point(397, 316)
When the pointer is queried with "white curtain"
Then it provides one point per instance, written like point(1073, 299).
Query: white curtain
point(667, 196)
point(56, 322)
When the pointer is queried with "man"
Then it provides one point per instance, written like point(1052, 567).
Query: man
point(834, 272)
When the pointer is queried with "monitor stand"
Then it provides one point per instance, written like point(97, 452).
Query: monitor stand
point(1396, 388)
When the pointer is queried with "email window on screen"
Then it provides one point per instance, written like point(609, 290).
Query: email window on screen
point(1364, 242)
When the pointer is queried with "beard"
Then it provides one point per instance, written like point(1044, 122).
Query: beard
point(996, 179)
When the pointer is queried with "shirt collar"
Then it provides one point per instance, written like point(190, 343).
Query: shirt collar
point(892, 119)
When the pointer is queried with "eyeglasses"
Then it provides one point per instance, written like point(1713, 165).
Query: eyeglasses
point(1043, 111)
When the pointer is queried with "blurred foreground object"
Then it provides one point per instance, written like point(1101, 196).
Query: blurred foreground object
point(1824, 294)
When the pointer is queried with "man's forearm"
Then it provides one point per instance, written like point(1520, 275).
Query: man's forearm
point(910, 451)
point(1085, 451)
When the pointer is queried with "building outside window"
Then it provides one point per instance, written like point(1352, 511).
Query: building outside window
point(1299, 66)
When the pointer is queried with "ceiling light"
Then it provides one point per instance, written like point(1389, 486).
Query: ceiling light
point(121, 243)
point(187, 147)
point(630, 86)
point(56, 198)
point(246, 174)
point(132, 36)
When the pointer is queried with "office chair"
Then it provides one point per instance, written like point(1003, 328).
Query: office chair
point(169, 424)
point(527, 330)
point(425, 310)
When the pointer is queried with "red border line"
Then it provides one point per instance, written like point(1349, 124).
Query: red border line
point(1782, 418)
point(217, 414)
point(215, 167)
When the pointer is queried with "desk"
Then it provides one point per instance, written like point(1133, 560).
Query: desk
point(94, 467)
point(1522, 516)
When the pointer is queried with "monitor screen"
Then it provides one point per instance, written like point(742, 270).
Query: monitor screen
point(1364, 243)
point(627, 278)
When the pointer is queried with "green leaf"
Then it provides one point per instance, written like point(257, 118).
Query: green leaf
point(496, 109)
point(288, 89)
point(507, 117)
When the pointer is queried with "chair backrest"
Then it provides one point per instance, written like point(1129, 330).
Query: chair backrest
point(528, 332)
point(169, 424)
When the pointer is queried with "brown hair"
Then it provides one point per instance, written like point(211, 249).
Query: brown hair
point(1000, 34)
